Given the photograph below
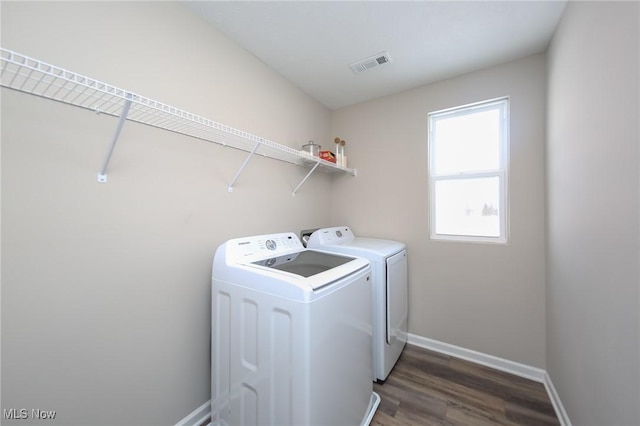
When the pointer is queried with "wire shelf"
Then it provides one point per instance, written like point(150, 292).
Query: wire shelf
point(28, 75)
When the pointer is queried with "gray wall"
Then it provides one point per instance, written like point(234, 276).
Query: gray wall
point(593, 322)
point(484, 297)
point(106, 287)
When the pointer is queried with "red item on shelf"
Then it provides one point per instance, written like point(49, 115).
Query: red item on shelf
point(328, 155)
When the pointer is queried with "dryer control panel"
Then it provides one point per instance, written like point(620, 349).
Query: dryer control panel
point(331, 236)
point(263, 246)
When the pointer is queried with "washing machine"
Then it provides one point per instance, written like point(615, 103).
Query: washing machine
point(291, 340)
point(390, 288)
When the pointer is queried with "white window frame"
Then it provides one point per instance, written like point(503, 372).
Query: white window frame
point(502, 104)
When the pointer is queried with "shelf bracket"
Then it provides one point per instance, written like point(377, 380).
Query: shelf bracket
point(293, 194)
point(246, 161)
point(102, 176)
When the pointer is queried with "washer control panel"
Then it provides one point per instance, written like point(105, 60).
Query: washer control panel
point(263, 246)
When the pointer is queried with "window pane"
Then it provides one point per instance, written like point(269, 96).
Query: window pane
point(468, 207)
point(467, 143)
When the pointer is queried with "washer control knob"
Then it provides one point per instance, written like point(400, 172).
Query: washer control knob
point(339, 234)
point(270, 244)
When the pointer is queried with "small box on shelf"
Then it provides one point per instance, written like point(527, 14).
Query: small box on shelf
point(328, 156)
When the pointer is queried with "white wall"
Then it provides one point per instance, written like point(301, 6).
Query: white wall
point(488, 298)
point(106, 287)
point(593, 322)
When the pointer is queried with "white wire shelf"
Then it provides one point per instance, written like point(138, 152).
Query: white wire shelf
point(28, 75)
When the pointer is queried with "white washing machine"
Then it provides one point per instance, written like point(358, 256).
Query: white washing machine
point(291, 340)
point(390, 288)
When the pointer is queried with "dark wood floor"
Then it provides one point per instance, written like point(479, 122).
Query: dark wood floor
point(429, 388)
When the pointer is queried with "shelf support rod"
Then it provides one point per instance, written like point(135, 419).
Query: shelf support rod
point(246, 161)
point(102, 176)
point(293, 194)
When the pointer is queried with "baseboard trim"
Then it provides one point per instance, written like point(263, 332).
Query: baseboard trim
point(198, 416)
point(555, 400)
point(522, 370)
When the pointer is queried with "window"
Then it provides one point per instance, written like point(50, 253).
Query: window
point(468, 156)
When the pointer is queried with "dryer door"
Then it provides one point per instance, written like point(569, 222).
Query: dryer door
point(397, 302)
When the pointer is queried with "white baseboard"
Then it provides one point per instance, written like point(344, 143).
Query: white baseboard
point(198, 416)
point(522, 370)
point(555, 400)
point(528, 372)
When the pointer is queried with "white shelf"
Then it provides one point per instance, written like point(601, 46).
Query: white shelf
point(28, 75)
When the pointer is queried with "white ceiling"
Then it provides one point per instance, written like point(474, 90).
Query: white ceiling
point(312, 43)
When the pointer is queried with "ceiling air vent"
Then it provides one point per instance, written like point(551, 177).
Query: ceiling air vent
point(371, 62)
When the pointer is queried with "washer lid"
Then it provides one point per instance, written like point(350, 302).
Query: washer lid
point(305, 263)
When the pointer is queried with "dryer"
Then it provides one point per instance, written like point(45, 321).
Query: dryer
point(390, 288)
point(291, 341)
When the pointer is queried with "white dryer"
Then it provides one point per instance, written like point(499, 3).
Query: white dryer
point(291, 341)
point(390, 288)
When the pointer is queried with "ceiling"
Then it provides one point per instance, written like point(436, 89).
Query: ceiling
point(312, 43)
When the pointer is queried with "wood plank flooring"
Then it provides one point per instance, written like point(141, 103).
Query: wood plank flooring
point(429, 388)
